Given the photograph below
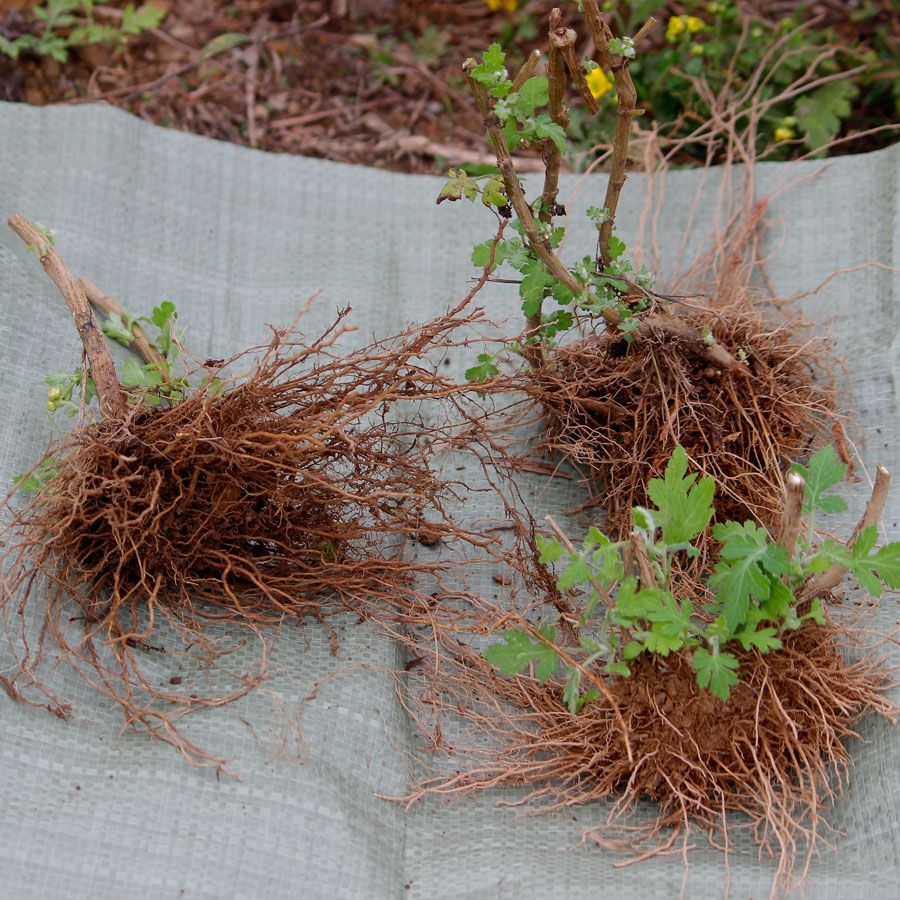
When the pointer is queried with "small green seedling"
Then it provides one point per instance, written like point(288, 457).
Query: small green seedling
point(758, 585)
point(70, 23)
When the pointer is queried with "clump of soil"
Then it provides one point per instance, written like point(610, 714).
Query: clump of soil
point(620, 409)
point(284, 493)
point(775, 752)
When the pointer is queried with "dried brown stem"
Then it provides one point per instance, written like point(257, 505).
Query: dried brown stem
point(834, 575)
point(627, 96)
point(529, 67)
point(103, 371)
point(516, 195)
point(661, 321)
point(789, 530)
point(556, 78)
point(142, 343)
point(645, 571)
point(643, 31)
point(562, 41)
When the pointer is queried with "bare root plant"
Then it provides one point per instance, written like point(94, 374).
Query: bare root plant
point(287, 492)
point(776, 753)
point(713, 360)
point(719, 364)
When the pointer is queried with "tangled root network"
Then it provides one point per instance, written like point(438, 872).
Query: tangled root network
point(283, 493)
point(775, 752)
point(620, 409)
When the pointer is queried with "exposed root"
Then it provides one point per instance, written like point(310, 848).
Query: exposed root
point(283, 493)
point(775, 752)
point(619, 410)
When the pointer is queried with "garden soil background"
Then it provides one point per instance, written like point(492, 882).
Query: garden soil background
point(238, 238)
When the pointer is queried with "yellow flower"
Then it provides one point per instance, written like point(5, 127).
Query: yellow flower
point(508, 5)
point(783, 133)
point(674, 27)
point(598, 82)
point(694, 24)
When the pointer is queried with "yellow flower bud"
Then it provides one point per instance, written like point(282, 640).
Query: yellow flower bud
point(694, 24)
point(51, 406)
point(697, 49)
point(54, 394)
point(675, 26)
point(783, 133)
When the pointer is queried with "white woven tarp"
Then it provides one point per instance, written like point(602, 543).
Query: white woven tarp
point(239, 238)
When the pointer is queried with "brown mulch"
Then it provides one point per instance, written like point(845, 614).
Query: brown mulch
point(375, 82)
point(372, 82)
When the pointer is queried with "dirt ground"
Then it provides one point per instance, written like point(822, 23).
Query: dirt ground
point(373, 82)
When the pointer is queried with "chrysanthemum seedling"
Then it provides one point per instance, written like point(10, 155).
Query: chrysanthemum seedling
point(761, 587)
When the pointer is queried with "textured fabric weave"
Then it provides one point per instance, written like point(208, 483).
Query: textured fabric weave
point(238, 239)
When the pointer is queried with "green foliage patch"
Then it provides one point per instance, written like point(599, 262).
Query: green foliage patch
point(757, 586)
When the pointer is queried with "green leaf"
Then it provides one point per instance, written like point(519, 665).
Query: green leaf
point(491, 72)
point(661, 642)
point(520, 651)
point(577, 572)
point(646, 604)
point(220, 43)
point(865, 543)
point(535, 284)
point(484, 371)
point(572, 689)
point(549, 548)
point(459, 185)
point(163, 313)
point(764, 639)
point(872, 569)
point(481, 254)
point(516, 254)
point(148, 16)
point(684, 511)
point(146, 378)
point(821, 112)
point(642, 518)
point(562, 294)
point(117, 329)
point(511, 133)
point(815, 612)
point(545, 127)
point(164, 317)
point(132, 373)
point(715, 671)
point(30, 485)
point(494, 194)
point(616, 247)
point(823, 473)
point(886, 564)
point(533, 94)
point(39, 478)
point(749, 563)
